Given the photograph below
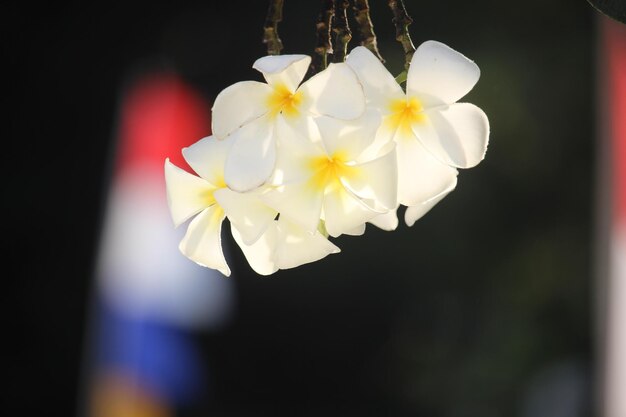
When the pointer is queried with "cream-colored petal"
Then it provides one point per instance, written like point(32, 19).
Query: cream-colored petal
point(296, 246)
point(343, 212)
point(252, 156)
point(386, 221)
point(439, 74)
point(207, 158)
point(260, 254)
point(378, 84)
point(414, 213)
point(421, 176)
point(457, 135)
point(334, 92)
point(357, 231)
point(187, 194)
point(299, 202)
point(376, 180)
point(238, 105)
point(287, 70)
point(349, 137)
point(203, 242)
point(247, 212)
point(293, 154)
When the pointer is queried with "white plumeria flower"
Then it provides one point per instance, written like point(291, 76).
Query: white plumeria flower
point(331, 180)
point(434, 134)
point(248, 110)
point(284, 245)
point(189, 195)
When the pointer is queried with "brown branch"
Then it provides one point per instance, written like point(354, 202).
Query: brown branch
point(341, 29)
point(366, 27)
point(402, 21)
point(324, 45)
point(270, 29)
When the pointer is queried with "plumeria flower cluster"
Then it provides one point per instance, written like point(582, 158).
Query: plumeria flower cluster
point(293, 163)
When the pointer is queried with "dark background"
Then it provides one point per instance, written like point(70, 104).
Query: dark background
point(464, 314)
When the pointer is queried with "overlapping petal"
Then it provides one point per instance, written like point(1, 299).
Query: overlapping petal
point(438, 74)
point(187, 194)
point(457, 135)
point(206, 157)
point(259, 254)
point(420, 175)
point(378, 84)
point(285, 70)
point(386, 221)
point(299, 202)
point(376, 180)
point(246, 212)
point(251, 159)
point(414, 213)
point(296, 246)
point(351, 137)
point(203, 243)
point(343, 212)
point(334, 92)
point(237, 105)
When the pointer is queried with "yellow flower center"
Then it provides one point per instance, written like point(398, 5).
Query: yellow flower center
point(282, 100)
point(328, 171)
point(207, 195)
point(404, 113)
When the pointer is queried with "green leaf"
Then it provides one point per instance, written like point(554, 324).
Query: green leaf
point(615, 9)
point(401, 77)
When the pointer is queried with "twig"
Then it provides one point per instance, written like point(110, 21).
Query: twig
point(402, 21)
point(341, 29)
point(366, 27)
point(324, 45)
point(270, 29)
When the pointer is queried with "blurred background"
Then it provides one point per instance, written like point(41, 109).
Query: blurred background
point(494, 304)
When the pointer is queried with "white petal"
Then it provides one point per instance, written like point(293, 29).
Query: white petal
point(420, 175)
point(295, 246)
point(350, 137)
point(387, 221)
point(247, 212)
point(293, 154)
point(207, 158)
point(457, 135)
point(376, 180)
point(260, 254)
point(252, 157)
point(379, 85)
point(438, 73)
point(384, 137)
point(414, 213)
point(299, 202)
point(287, 70)
point(237, 105)
point(357, 231)
point(343, 212)
point(186, 194)
point(334, 92)
point(203, 243)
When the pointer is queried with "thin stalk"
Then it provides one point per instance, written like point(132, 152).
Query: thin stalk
point(341, 29)
point(366, 27)
point(270, 29)
point(324, 45)
point(402, 21)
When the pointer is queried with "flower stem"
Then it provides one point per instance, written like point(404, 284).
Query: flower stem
point(342, 31)
point(402, 21)
point(270, 29)
point(366, 27)
point(324, 45)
